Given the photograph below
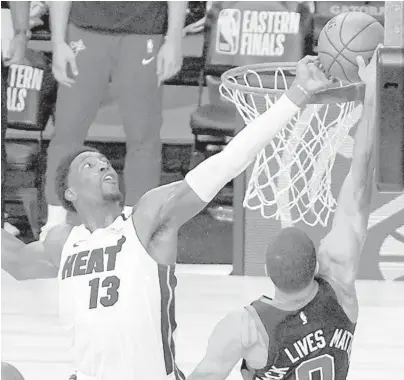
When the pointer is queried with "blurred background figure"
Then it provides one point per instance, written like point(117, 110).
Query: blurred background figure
point(135, 47)
point(196, 17)
point(13, 52)
point(37, 10)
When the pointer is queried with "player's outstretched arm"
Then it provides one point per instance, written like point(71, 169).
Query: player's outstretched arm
point(34, 260)
point(225, 348)
point(340, 250)
point(180, 202)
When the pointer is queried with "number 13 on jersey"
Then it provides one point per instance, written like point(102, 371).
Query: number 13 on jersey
point(109, 286)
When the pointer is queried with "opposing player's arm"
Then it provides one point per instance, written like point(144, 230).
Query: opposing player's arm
point(340, 250)
point(34, 260)
point(225, 348)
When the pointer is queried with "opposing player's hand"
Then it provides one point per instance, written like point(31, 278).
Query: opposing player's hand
point(169, 59)
point(367, 73)
point(310, 75)
point(63, 57)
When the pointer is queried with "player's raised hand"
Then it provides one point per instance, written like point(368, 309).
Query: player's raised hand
point(367, 73)
point(63, 57)
point(310, 75)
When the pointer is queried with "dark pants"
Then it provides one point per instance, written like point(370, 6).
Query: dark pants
point(127, 62)
point(3, 136)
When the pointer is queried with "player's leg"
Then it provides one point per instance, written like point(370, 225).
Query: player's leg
point(140, 104)
point(76, 107)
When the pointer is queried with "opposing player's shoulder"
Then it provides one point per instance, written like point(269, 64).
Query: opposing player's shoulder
point(254, 339)
point(55, 241)
point(239, 325)
point(249, 331)
point(345, 295)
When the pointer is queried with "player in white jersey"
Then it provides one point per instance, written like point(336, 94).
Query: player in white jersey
point(115, 271)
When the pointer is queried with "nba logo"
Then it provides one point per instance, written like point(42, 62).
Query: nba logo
point(149, 46)
point(77, 46)
point(303, 317)
point(228, 31)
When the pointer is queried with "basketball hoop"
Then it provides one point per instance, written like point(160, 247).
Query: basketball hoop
point(291, 177)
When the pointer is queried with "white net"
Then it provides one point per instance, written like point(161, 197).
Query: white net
point(291, 178)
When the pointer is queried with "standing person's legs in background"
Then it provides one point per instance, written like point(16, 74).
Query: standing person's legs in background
point(140, 104)
point(3, 135)
point(76, 108)
point(7, 226)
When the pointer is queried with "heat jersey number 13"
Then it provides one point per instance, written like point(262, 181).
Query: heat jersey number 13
point(111, 284)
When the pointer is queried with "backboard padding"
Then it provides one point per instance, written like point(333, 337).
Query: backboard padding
point(394, 24)
point(390, 102)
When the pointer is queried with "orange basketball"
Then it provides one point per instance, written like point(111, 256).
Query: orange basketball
point(343, 38)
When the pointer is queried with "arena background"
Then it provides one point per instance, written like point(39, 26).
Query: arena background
point(205, 239)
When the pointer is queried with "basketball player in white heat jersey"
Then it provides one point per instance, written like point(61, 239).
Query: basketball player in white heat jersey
point(116, 270)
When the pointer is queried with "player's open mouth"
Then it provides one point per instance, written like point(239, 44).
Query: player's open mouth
point(109, 178)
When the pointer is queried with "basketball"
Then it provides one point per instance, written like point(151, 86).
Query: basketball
point(343, 38)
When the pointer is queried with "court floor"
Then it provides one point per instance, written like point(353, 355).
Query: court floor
point(33, 341)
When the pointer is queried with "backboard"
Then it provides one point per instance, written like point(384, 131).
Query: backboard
point(383, 247)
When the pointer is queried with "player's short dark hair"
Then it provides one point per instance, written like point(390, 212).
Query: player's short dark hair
point(291, 260)
point(62, 174)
